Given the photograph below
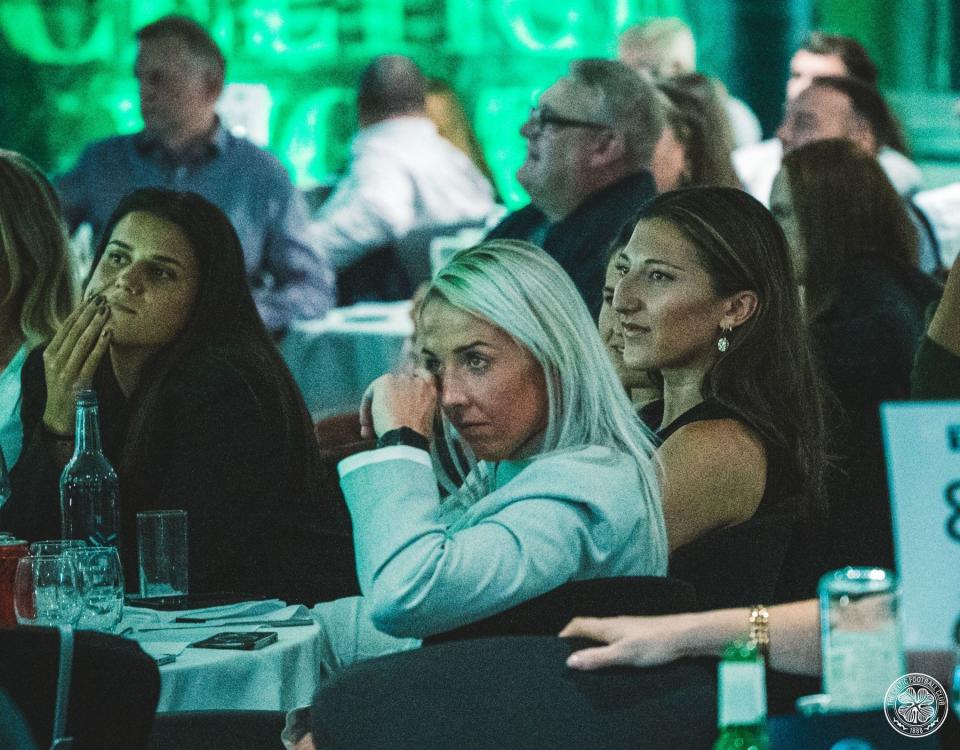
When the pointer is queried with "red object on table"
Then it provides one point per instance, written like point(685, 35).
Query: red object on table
point(11, 550)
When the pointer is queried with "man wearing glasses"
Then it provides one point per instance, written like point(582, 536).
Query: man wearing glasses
point(589, 144)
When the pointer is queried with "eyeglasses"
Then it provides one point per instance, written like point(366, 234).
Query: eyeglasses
point(542, 118)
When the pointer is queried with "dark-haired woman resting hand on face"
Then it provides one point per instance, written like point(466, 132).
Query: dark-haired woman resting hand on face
point(197, 410)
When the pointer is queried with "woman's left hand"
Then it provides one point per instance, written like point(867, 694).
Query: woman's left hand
point(631, 641)
point(394, 401)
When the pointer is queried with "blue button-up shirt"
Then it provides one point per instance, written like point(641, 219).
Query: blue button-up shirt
point(289, 274)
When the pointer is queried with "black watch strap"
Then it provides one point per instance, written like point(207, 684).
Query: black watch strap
point(403, 436)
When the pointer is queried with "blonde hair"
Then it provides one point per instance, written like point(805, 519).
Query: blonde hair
point(39, 291)
point(523, 291)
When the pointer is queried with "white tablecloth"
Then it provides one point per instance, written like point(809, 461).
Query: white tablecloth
point(278, 677)
point(335, 358)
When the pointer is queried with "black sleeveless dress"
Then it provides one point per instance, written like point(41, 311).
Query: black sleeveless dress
point(738, 565)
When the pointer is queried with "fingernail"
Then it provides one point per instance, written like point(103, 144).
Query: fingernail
point(573, 660)
point(103, 310)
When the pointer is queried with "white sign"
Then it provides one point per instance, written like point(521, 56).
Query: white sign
point(922, 442)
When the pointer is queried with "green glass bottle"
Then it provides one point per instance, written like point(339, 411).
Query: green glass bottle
point(742, 699)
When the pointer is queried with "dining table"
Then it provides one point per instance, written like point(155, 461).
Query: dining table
point(333, 359)
point(278, 677)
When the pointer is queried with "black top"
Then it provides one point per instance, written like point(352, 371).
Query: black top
point(780, 486)
point(738, 565)
point(580, 242)
point(866, 342)
point(220, 451)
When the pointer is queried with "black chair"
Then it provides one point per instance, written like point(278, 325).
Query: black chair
point(14, 732)
point(737, 566)
point(598, 597)
point(513, 692)
point(114, 687)
point(393, 272)
point(215, 730)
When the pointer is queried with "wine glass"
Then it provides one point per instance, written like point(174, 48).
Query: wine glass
point(100, 585)
point(45, 591)
point(4, 480)
point(55, 546)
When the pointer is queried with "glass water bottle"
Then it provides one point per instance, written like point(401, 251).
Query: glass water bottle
point(89, 490)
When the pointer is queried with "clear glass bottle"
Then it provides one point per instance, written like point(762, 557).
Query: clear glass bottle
point(742, 699)
point(89, 489)
point(860, 636)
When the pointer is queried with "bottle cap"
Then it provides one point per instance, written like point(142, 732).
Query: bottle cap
point(86, 396)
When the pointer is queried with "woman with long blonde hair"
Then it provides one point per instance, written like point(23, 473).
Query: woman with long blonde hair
point(36, 289)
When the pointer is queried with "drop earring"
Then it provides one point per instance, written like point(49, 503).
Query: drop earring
point(723, 343)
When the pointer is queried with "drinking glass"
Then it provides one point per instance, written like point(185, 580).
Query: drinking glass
point(100, 585)
point(55, 546)
point(162, 552)
point(45, 591)
point(862, 649)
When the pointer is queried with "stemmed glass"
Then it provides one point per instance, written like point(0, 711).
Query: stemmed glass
point(45, 591)
point(100, 586)
point(55, 546)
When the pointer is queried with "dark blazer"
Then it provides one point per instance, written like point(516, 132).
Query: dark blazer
point(580, 242)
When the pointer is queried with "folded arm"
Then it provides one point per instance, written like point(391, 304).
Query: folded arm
point(424, 578)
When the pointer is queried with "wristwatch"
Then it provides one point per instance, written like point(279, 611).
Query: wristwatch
point(403, 436)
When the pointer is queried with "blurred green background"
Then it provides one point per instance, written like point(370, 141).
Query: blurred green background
point(65, 65)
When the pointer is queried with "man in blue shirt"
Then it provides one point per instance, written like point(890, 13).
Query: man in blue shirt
point(183, 146)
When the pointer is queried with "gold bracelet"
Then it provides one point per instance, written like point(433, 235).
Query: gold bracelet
point(759, 631)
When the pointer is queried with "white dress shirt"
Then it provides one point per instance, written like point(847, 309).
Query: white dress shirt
point(758, 163)
point(403, 177)
point(942, 208)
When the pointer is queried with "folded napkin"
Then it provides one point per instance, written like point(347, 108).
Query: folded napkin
point(222, 612)
point(168, 631)
point(244, 610)
point(158, 649)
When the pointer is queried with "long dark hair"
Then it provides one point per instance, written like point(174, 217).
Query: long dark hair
point(224, 323)
point(768, 375)
point(845, 207)
point(700, 121)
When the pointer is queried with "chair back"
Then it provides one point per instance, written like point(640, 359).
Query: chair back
point(737, 566)
point(114, 687)
point(394, 271)
point(14, 732)
point(597, 597)
point(513, 692)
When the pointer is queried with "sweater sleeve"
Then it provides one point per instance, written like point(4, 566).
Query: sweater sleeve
point(33, 511)
point(424, 577)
